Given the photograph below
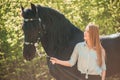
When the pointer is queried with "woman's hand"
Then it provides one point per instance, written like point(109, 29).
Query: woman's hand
point(54, 60)
point(61, 62)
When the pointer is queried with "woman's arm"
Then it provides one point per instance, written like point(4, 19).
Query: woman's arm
point(69, 63)
point(103, 74)
point(103, 65)
point(61, 62)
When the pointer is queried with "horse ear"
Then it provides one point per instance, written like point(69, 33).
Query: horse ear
point(33, 7)
point(22, 10)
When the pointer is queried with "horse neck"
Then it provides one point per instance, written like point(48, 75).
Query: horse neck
point(64, 50)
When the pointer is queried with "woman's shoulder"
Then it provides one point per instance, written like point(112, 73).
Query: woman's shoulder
point(81, 44)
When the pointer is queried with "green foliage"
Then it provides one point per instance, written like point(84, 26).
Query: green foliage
point(105, 13)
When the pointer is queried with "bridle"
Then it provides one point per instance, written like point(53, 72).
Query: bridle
point(31, 19)
point(38, 39)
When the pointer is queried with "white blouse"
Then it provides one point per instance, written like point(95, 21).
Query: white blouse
point(87, 60)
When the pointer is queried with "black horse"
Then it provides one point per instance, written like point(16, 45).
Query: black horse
point(58, 37)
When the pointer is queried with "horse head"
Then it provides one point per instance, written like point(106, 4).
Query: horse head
point(31, 28)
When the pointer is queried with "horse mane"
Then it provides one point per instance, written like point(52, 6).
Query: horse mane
point(59, 29)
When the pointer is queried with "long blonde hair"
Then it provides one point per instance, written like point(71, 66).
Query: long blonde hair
point(95, 41)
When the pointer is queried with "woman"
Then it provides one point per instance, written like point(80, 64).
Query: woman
point(90, 56)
